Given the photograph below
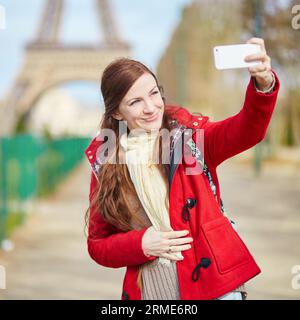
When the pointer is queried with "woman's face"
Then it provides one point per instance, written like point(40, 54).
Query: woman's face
point(142, 106)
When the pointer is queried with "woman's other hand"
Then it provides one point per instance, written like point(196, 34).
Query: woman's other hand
point(262, 73)
point(157, 243)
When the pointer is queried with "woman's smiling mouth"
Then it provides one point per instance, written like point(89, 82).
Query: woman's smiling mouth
point(151, 118)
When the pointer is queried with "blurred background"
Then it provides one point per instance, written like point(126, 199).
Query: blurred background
point(52, 55)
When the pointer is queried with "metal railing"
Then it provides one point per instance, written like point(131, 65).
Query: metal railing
point(32, 167)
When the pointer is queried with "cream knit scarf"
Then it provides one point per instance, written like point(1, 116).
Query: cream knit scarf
point(140, 158)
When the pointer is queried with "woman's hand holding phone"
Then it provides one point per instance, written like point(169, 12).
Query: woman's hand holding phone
point(251, 55)
point(262, 72)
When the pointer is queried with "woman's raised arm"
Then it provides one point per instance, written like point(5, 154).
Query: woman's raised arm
point(224, 139)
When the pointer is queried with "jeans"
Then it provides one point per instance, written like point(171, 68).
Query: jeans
point(233, 295)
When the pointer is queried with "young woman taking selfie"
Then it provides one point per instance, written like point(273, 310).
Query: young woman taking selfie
point(166, 225)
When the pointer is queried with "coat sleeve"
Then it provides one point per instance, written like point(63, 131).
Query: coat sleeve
point(111, 247)
point(226, 138)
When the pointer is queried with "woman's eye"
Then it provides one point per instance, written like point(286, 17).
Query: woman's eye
point(132, 103)
point(154, 92)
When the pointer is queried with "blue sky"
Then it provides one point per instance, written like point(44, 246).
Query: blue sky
point(146, 25)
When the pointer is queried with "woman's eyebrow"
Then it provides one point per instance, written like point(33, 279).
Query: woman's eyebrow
point(140, 97)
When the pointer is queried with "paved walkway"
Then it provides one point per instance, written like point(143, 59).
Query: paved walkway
point(267, 212)
point(50, 260)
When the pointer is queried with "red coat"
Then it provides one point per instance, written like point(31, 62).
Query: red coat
point(218, 261)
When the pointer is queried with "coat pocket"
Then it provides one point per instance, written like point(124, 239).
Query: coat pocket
point(228, 249)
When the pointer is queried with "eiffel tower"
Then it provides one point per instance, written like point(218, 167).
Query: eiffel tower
point(49, 63)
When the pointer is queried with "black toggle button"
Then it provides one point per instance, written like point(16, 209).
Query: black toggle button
point(204, 263)
point(190, 202)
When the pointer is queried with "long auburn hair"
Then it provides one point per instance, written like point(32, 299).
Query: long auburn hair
point(114, 186)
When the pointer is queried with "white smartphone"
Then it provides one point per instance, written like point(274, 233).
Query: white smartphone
point(232, 56)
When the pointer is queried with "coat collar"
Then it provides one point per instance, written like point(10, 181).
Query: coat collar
point(181, 120)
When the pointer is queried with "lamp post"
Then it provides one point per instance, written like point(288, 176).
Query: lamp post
point(3, 192)
point(180, 65)
point(256, 7)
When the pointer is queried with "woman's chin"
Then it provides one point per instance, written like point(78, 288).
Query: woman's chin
point(152, 127)
point(155, 125)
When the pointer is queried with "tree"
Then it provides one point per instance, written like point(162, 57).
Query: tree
point(282, 43)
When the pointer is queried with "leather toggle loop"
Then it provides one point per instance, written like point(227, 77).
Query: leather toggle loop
point(189, 204)
point(186, 213)
point(204, 263)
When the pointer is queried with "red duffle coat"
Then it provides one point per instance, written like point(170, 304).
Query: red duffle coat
point(218, 260)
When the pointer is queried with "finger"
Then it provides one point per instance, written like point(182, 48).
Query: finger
point(255, 40)
point(174, 234)
point(171, 256)
point(260, 68)
point(258, 56)
point(258, 74)
point(258, 41)
point(180, 241)
point(180, 248)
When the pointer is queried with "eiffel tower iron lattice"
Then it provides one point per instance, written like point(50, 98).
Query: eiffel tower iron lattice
point(49, 62)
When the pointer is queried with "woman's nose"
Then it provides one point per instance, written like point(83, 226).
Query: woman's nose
point(149, 106)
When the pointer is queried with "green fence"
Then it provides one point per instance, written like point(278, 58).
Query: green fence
point(31, 167)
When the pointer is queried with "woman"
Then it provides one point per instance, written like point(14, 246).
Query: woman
point(167, 226)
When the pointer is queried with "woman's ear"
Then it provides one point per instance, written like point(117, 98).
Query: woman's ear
point(117, 116)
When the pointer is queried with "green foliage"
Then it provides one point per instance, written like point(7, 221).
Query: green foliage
point(20, 127)
point(14, 219)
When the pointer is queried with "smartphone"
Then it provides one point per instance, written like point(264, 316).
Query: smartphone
point(232, 56)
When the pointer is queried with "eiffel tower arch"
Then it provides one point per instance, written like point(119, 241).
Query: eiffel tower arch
point(49, 63)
